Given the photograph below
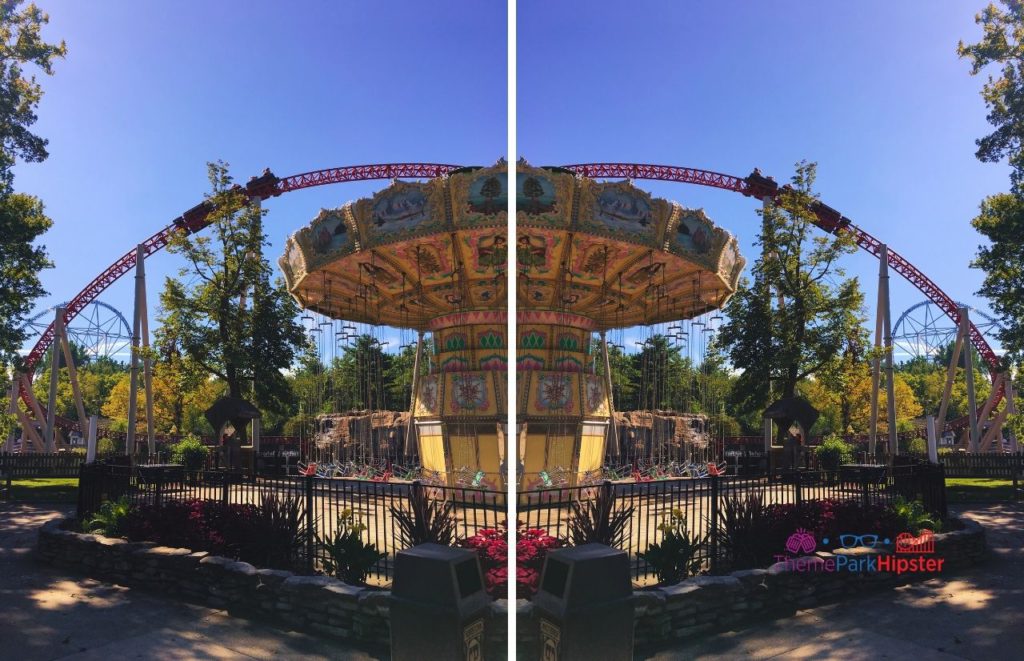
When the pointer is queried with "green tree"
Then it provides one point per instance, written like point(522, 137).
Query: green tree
point(533, 191)
point(800, 313)
point(222, 313)
point(22, 220)
point(625, 375)
point(490, 190)
point(398, 376)
point(359, 377)
point(1001, 222)
point(1001, 218)
point(1001, 45)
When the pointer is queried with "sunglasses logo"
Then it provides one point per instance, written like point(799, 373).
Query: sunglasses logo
point(849, 541)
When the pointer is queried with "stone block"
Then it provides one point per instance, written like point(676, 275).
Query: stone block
point(693, 630)
point(272, 577)
point(331, 630)
point(379, 602)
point(307, 583)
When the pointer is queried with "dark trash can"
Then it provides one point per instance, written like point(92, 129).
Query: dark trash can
point(585, 605)
point(439, 606)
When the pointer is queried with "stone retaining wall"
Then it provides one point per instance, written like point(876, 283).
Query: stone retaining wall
point(705, 604)
point(319, 604)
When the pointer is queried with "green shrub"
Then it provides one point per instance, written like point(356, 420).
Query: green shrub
point(944, 452)
point(276, 534)
point(105, 447)
point(674, 559)
point(110, 520)
point(190, 452)
point(832, 452)
point(348, 557)
point(598, 521)
point(911, 516)
point(747, 537)
point(916, 447)
point(425, 520)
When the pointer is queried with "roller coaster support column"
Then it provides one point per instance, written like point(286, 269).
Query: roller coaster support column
point(409, 427)
point(883, 339)
point(933, 441)
point(890, 384)
point(90, 444)
point(140, 335)
point(30, 429)
point(61, 339)
point(13, 410)
point(611, 393)
point(951, 373)
point(51, 404)
point(972, 405)
point(1011, 407)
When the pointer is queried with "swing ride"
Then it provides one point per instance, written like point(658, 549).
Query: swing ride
point(594, 257)
point(427, 256)
point(455, 306)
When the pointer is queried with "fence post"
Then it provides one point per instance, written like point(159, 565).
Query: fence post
point(1015, 469)
point(159, 488)
point(714, 524)
point(8, 471)
point(310, 523)
point(865, 496)
point(941, 483)
point(225, 488)
point(799, 483)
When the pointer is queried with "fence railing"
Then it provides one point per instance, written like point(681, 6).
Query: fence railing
point(1000, 466)
point(700, 500)
point(19, 466)
point(323, 503)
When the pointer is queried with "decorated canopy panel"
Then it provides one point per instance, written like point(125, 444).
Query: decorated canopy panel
point(413, 252)
point(614, 254)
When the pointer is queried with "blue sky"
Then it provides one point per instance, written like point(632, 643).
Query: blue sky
point(150, 92)
point(871, 90)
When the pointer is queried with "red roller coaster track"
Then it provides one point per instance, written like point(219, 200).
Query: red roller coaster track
point(829, 220)
point(266, 186)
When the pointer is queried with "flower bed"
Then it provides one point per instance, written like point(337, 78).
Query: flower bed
point(751, 533)
point(532, 546)
point(268, 535)
point(705, 604)
point(320, 604)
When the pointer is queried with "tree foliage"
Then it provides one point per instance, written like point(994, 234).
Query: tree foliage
point(22, 220)
point(222, 314)
point(799, 315)
point(1001, 218)
point(1001, 45)
point(1001, 222)
point(22, 44)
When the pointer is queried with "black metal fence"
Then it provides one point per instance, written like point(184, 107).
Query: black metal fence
point(700, 500)
point(998, 466)
point(26, 466)
point(323, 503)
point(20, 466)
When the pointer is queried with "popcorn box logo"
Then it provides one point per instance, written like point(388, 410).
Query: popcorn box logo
point(923, 543)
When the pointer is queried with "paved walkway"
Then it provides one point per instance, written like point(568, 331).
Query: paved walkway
point(978, 614)
point(47, 614)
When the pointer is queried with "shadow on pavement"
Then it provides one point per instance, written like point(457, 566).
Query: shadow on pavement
point(46, 614)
